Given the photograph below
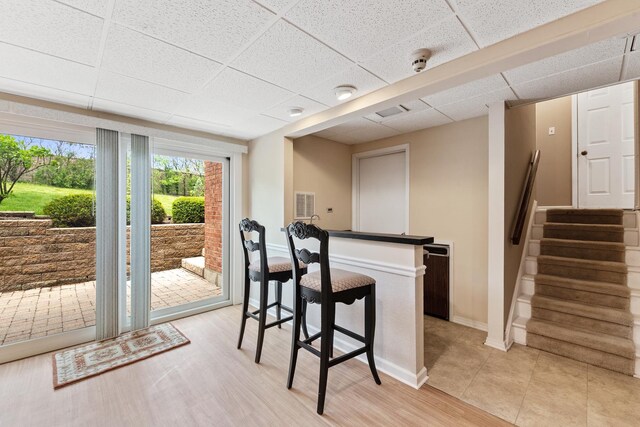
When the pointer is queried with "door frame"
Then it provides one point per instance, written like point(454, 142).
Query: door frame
point(574, 146)
point(355, 181)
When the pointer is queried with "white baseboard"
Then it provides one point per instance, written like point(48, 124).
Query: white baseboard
point(498, 345)
point(470, 323)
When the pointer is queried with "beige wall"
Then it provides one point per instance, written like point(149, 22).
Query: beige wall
point(448, 200)
point(520, 144)
point(553, 183)
point(323, 167)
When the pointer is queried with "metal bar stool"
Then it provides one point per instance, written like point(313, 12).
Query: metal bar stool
point(327, 287)
point(276, 269)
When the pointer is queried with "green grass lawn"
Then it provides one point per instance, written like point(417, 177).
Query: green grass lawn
point(33, 197)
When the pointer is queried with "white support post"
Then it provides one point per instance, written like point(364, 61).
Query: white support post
point(496, 235)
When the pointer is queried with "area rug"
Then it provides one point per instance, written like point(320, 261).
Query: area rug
point(80, 363)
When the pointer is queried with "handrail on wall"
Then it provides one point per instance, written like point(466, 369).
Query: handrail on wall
point(525, 198)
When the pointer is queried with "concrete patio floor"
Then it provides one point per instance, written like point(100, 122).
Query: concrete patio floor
point(46, 311)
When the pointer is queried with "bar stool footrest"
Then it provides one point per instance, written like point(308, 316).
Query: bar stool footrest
point(347, 356)
point(349, 333)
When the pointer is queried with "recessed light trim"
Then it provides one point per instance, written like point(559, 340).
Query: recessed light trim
point(295, 111)
point(344, 92)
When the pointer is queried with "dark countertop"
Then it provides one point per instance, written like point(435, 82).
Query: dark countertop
point(382, 237)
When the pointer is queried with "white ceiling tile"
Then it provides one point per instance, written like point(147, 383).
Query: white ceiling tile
point(573, 59)
point(45, 93)
point(572, 81)
point(465, 91)
point(357, 131)
point(240, 89)
point(363, 81)
point(202, 125)
point(410, 122)
point(361, 28)
point(51, 28)
point(259, 125)
point(96, 7)
point(129, 110)
point(203, 108)
point(137, 55)
point(633, 66)
point(125, 90)
point(281, 111)
point(216, 30)
point(494, 20)
point(476, 106)
point(447, 40)
point(290, 58)
point(276, 6)
point(46, 70)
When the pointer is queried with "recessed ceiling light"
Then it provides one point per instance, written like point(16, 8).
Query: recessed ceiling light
point(344, 92)
point(295, 111)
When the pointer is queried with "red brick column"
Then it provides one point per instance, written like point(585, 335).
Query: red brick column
point(213, 216)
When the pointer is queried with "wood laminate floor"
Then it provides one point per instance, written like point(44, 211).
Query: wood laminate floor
point(209, 382)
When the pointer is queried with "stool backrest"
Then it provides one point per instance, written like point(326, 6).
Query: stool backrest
point(247, 226)
point(303, 231)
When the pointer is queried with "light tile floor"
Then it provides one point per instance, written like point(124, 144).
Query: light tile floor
point(526, 386)
point(46, 311)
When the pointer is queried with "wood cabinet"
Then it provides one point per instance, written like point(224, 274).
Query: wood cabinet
point(436, 281)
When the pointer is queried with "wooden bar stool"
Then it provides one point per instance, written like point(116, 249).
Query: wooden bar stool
point(276, 269)
point(327, 287)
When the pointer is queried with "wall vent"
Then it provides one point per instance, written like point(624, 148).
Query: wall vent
point(399, 109)
point(305, 205)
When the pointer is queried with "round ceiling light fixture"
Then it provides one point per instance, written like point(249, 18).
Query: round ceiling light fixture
point(344, 92)
point(295, 111)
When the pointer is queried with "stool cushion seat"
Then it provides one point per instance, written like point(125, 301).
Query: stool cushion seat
point(277, 264)
point(341, 280)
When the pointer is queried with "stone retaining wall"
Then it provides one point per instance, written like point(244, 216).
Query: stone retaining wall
point(32, 254)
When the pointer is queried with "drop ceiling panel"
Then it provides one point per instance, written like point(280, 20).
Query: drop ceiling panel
point(95, 7)
point(259, 125)
point(276, 6)
point(281, 111)
point(415, 121)
point(201, 107)
point(357, 131)
point(447, 40)
point(572, 81)
point(291, 59)
point(240, 89)
point(45, 70)
point(125, 90)
point(476, 106)
point(573, 59)
point(129, 110)
point(42, 92)
point(494, 20)
point(202, 125)
point(633, 66)
point(216, 30)
point(466, 91)
point(363, 80)
point(51, 28)
point(137, 55)
point(361, 28)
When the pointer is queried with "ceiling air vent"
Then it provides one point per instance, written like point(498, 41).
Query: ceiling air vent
point(399, 109)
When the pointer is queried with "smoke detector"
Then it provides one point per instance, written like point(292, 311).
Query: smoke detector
point(419, 59)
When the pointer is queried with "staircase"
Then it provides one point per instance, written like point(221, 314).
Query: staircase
point(580, 296)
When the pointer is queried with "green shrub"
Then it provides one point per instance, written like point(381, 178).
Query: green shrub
point(76, 210)
point(188, 210)
point(158, 214)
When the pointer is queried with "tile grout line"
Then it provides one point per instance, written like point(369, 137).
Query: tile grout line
point(535, 365)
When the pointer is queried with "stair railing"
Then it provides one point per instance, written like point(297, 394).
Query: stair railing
point(525, 198)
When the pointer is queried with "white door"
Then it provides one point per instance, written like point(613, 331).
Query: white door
point(382, 194)
point(606, 147)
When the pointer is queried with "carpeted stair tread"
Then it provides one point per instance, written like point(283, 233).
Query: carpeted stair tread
point(584, 297)
point(607, 314)
point(591, 232)
point(606, 271)
point(594, 340)
point(584, 285)
point(584, 249)
point(584, 323)
point(586, 216)
point(583, 354)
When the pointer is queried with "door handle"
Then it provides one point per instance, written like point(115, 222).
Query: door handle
point(584, 152)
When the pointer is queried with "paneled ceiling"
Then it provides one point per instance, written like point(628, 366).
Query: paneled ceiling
point(235, 67)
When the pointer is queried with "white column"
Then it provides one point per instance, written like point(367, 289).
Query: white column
point(140, 231)
point(496, 236)
point(106, 234)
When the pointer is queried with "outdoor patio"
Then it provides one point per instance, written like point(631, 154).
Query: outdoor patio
point(50, 310)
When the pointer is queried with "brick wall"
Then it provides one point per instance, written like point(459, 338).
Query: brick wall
point(32, 254)
point(213, 216)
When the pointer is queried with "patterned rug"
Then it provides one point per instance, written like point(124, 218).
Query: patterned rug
point(80, 363)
